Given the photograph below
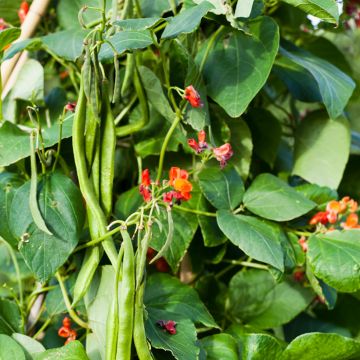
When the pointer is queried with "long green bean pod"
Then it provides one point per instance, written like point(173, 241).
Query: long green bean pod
point(91, 130)
point(129, 72)
point(140, 341)
point(85, 183)
point(108, 142)
point(127, 299)
point(112, 321)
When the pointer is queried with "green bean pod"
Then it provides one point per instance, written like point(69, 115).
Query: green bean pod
point(86, 274)
point(117, 83)
point(141, 344)
point(129, 73)
point(91, 131)
point(127, 299)
point(86, 73)
point(108, 143)
point(95, 168)
point(86, 185)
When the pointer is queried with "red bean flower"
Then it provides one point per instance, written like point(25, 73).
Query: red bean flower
point(66, 332)
point(193, 97)
point(201, 145)
point(23, 10)
point(3, 24)
point(70, 106)
point(169, 326)
point(223, 153)
point(144, 187)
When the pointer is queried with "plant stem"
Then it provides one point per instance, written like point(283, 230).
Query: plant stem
point(43, 327)
point(67, 302)
point(165, 144)
point(17, 270)
point(173, 6)
point(209, 47)
point(1, 113)
point(198, 212)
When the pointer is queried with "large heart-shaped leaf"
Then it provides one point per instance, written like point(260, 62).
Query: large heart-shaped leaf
point(30, 346)
point(10, 349)
point(10, 317)
point(62, 209)
point(273, 199)
point(166, 298)
point(287, 300)
point(234, 74)
point(187, 21)
point(326, 10)
point(322, 147)
point(155, 8)
point(335, 86)
point(322, 347)
point(257, 239)
point(222, 187)
point(334, 258)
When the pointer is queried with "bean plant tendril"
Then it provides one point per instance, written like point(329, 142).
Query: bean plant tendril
point(179, 180)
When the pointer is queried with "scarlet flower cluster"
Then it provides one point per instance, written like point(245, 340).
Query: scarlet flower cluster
point(178, 180)
point(341, 213)
point(193, 97)
point(23, 10)
point(70, 106)
point(222, 153)
point(169, 326)
point(66, 332)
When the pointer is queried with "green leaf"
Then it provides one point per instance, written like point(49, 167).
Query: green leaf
point(273, 199)
point(182, 345)
point(220, 346)
point(334, 258)
point(266, 132)
point(166, 298)
point(10, 318)
point(155, 93)
point(210, 231)
point(222, 187)
point(184, 230)
point(29, 84)
point(255, 238)
point(301, 84)
point(335, 86)
point(187, 21)
point(67, 44)
point(155, 8)
point(10, 349)
point(234, 74)
point(167, 293)
point(67, 12)
point(287, 300)
point(98, 301)
point(247, 293)
point(322, 148)
point(9, 182)
point(62, 209)
point(322, 347)
point(125, 40)
point(261, 347)
point(326, 293)
point(73, 350)
point(316, 193)
point(7, 36)
point(138, 24)
point(30, 346)
point(14, 143)
point(326, 10)
point(28, 44)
